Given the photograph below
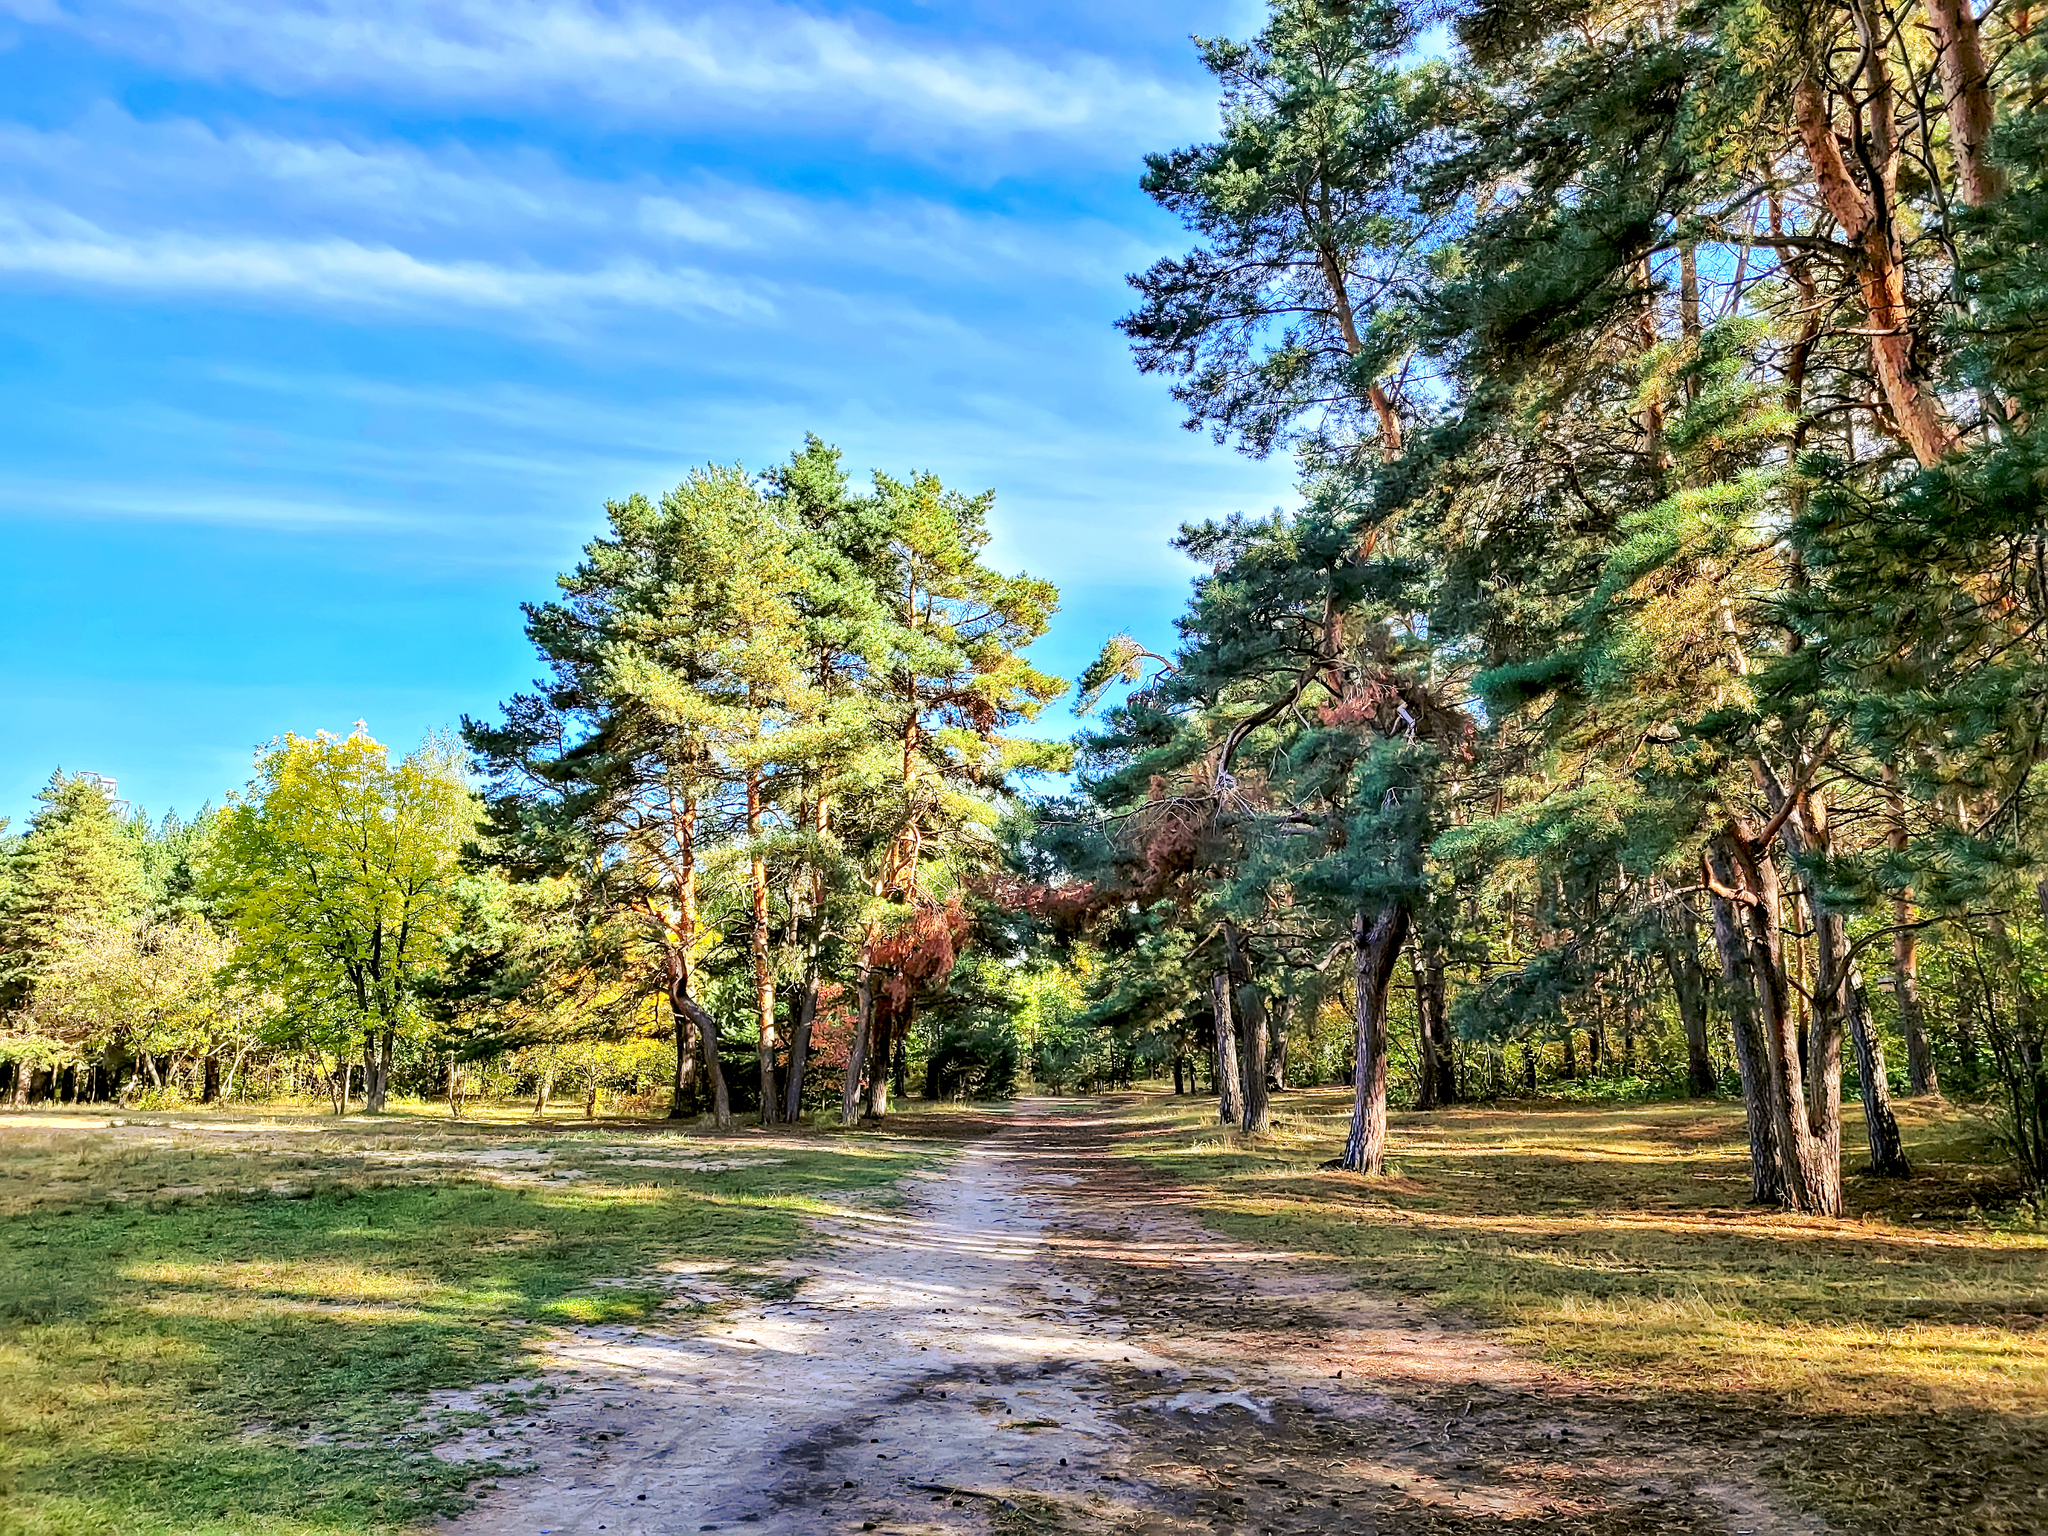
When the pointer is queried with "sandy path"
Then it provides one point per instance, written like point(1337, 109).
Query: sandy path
point(1042, 1341)
point(916, 1352)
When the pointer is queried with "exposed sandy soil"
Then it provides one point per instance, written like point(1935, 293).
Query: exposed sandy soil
point(1045, 1339)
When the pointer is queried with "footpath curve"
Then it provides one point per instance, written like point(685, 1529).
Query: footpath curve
point(1045, 1339)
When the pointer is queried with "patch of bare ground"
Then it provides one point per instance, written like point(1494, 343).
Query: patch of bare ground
point(1044, 1338)
point(1320, 1407)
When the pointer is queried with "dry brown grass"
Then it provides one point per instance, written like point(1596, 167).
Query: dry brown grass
point(1892, 1366)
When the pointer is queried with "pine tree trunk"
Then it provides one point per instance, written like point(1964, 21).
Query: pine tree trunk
point(1277, 1020)
point(1249, 1011)
point(1689, 306)
point(1425, 1047)
point(1229, 1091)
point(1823, 1064)
point(1437, 1061)
point(807, 1002)
point(1529, 1069)
point(1967, 1045)
point(1448, 1089)
point(857, 1051)
point(1628, 1024)
point(681, 963)
point(210, 1091)
point(1440, 1059)
point(1887, 1147)
point(1921, 1077)
point(881, 1059)
point(544, 1089)
point(1809, 1164)
point(1375, 950)
point(900, 1053)
point(707, 1041)
point(1839, 991)
point(1571, 1054)
point(1258, 1108)
point(804, 1008)
point(1966, 97)
point(1916, 410)
point(1808, 1157)
point(1680, 947)
point(1766, 1183)
point(2023, 1060)
point(684, 1088)
point(1839, 1000)
point(757, 949)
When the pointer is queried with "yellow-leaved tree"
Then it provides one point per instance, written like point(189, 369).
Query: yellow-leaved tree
point(337, 872)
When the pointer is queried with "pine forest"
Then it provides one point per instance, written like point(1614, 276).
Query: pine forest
point(1523, 1009)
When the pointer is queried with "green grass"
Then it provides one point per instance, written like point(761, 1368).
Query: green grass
point(231, 1362)
point(1902, 1351)
point(614, 1304)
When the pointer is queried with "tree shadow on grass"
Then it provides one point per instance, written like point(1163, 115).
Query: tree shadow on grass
point(1889, 1370)
point(236, 1364)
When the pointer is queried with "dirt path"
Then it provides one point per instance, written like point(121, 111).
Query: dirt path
point(1045, 1341)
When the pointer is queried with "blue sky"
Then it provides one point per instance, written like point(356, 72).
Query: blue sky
point(330, 325)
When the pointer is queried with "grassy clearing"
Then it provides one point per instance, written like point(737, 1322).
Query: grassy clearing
point(229, 1325)
point(1892, 1367)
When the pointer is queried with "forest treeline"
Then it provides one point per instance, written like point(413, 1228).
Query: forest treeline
point(744, 809)
point(1657, 652)
point(1649, 687)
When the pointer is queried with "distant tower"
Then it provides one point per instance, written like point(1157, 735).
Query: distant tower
point(106, 786)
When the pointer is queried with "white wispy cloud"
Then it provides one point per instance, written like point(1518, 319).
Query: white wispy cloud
point(55, 243)
point(772, 65)
point(1087, 501)
point(106, 160)
point(177, 206)
point(223, 504)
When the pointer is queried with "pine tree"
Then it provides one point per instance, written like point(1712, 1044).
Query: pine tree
point(1925, 614)
point(674, 661)
point(80, 860)
point(1294, 322)
point(776, 710)
point(945, 684)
